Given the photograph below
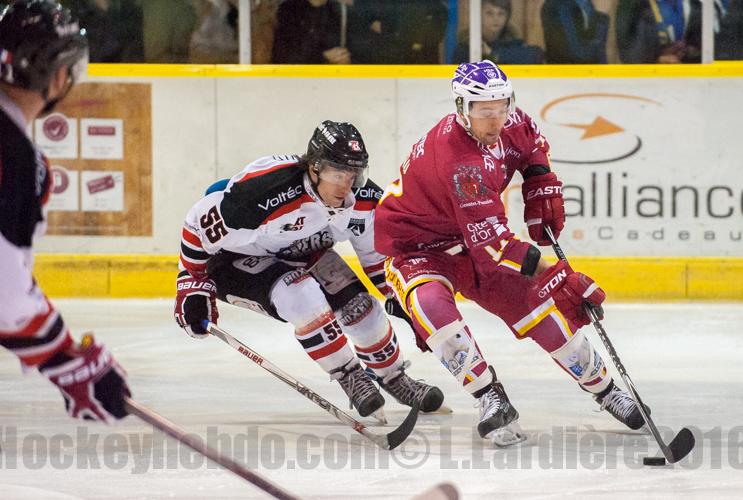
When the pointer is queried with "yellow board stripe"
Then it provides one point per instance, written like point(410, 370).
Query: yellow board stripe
point(724, 69)
point(623, 278)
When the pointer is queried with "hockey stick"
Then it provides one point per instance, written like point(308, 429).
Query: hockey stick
point(387, 441)
point(683, 443)
point(196, 444)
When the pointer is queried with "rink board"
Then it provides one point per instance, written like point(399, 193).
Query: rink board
point(624, 279)
point(677, 121)
point(647, 153)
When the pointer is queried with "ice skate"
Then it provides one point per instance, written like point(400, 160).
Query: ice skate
point(498, 417)
point(621, 406)
point(407, 391)
point(361, 391)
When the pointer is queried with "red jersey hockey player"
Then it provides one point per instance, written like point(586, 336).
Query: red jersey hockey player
point(443, 226)
point(265, 243)
point(42, 51)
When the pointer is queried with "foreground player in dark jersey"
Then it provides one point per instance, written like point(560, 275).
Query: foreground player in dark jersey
point(265, 243)
point(42, 53)
point(444, 227)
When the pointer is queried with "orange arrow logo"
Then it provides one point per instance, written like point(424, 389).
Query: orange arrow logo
point(600, 125)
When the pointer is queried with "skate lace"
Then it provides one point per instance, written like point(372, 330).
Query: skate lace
point(403, 387)
point(618, 403)
point(353, 380)
point(489, 404)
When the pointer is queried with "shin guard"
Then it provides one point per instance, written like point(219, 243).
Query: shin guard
point(580, 359)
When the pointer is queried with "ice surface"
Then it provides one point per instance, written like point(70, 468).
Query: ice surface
point(685, 360)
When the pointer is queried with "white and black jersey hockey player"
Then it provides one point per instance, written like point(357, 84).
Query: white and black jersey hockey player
point(42, 53)
point(265, 243)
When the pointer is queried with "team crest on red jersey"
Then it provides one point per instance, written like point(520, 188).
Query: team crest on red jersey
point(354, 145)
point(469, 184)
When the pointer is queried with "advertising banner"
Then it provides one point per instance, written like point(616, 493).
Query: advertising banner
point(99, 147)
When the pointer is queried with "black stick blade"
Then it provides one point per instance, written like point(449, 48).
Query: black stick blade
point(396, 437)
point(682, 444)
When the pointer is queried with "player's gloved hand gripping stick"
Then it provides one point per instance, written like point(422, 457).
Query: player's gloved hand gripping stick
point(683, 442)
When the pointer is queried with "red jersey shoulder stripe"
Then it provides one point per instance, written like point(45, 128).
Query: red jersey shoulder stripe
point(365, 205)
point(288, 208)
point(250, 175)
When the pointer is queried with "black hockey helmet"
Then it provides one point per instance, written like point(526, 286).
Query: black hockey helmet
point(339, 145)
point(37, 37)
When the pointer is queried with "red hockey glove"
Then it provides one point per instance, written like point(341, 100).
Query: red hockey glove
point(570, 291)
point(543, 204)
point(92, 383)
point(195, 301)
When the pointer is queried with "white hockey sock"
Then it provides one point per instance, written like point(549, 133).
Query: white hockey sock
point(323, 340)
point(579, 358)
point(302, 303)
point(371, 332)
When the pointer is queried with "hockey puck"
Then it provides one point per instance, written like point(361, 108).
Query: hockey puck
point(653, 461)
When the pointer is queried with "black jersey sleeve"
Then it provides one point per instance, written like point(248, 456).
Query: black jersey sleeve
point(24, 181)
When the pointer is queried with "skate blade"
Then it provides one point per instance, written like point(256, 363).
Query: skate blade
point(508, 435)
point(380, 416)
point(443, 410)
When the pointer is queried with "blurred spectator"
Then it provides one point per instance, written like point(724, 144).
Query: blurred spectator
point(309, 32)
point(574, 32)
point(168, 26)
point(215, 41)
point(500, 43)
point(663, 31)
point(114, 28)
point(262, 26)
point(397, 32)
point(729, 42)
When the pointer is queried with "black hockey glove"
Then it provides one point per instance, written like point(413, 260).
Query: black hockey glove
point(393, 308)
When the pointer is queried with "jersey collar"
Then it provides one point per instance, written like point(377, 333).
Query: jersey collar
point(14, 112)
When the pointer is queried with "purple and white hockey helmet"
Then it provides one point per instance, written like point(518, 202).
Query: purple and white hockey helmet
point(480, 81)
